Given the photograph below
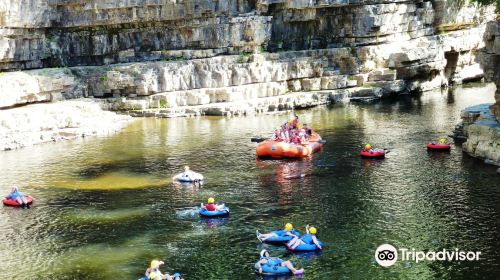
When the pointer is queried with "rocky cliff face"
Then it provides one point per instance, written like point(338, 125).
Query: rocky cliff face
point(491, 60)
point(223, 54)
point(481, 124)
point(483, 133)
point(51, 33)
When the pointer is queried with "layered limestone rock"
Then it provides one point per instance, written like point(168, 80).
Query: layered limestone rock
point(490, 61)
point(481, 124)
point(482, 132)
point(219, 53)
point(40, 123)
point(46, 85)
point(47, 33)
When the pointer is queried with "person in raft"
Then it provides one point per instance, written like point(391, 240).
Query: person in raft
point(211, 206)
point(441, 141)
point(154, 273)
point(18, 196)
point(295, 124)
point(188, 173)
point(307, 131)
point(266, 259)
point(368, 148)
point(309, 238)
point(302, 136)
point(277, 135)
point(285, 133)
point(288, 230)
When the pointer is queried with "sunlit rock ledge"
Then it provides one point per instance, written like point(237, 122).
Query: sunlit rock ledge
point(483, 133)
point(51, 122)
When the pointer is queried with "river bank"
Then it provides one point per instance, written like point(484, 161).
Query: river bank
point(481, 123)
point(52, 122)
point(482, 131)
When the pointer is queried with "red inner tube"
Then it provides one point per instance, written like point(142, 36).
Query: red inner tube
point(372, 154)
point(11, 202)
point(432, 146)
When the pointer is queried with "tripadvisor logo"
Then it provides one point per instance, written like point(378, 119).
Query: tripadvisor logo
point(386, 255)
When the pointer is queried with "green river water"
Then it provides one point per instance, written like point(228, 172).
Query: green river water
point(105, 207)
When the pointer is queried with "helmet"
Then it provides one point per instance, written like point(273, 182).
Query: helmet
point(442, 140)
point(186, 168)
point(368, 147)
point(156, 263)
point(288, 226)
point(263, 253)
point(312, 230)
point(211, 200)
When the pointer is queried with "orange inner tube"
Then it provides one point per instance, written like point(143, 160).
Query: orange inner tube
point(281, 149)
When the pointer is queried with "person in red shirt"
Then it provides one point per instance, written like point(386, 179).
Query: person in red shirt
point(210, 206)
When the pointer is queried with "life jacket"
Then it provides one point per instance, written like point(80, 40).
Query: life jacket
point(271, 261)
point(283, 232)
point(15, 195)
point(210, 207)
point(280, 232)
point(308, 238)
point(154, 274)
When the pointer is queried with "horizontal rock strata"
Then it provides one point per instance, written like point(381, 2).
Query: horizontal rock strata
point(143, 55)
point(483, 133)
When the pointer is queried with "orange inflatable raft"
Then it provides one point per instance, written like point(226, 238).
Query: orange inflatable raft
point(280, 149)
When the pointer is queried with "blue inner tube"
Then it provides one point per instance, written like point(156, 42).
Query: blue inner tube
point(272, 269)
point(282, 238)
point(187, 179)
point(217, 213)
point(307, 247)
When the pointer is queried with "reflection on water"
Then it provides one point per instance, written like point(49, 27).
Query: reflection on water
point(107, 206)
point(109, 181)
